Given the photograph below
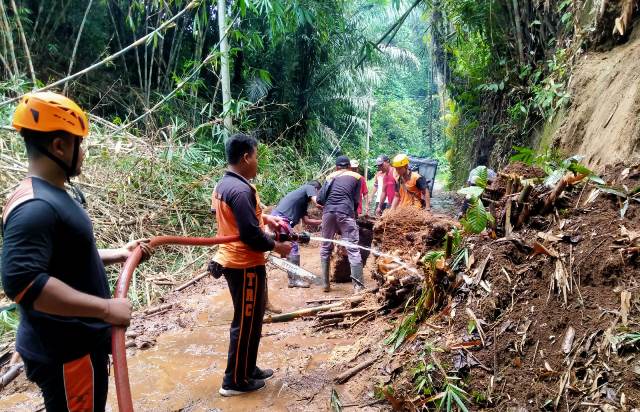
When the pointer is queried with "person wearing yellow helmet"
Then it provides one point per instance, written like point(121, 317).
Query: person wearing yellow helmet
point(411, 188)
point(51, 266)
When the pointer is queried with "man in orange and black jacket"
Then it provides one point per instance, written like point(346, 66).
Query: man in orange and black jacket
point(237, 208)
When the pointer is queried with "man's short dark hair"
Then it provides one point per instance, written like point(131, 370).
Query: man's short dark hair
point(34, 138)
point(238, 145)
point(315, 184)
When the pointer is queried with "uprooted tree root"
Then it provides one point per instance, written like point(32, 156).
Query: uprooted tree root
point(546, 318)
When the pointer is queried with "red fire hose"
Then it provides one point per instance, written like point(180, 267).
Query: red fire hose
point(121, 373)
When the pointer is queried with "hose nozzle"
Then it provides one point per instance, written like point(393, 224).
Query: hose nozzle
point(300, 237)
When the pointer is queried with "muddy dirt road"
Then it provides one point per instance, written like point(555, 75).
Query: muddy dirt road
point(183, 370)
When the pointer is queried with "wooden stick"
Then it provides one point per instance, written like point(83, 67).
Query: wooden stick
point(349, 373)
point(160, 308)
point(343, 312)
point(11, 374)
point(477, 322)
point(285, 317)
point(192, 281)
point(507, 219)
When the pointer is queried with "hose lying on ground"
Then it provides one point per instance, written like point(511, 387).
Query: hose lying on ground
point(119, 352)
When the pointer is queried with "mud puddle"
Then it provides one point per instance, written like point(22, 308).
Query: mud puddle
point(183, 370)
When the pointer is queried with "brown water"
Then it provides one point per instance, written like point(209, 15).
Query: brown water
point(183, 371)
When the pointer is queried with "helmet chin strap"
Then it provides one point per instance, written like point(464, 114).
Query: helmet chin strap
point(69, 170)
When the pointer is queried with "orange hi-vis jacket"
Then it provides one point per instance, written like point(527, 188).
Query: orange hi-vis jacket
point(236, 204)
point(410, 191)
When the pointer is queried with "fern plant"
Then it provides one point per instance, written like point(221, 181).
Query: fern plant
point(477, 218)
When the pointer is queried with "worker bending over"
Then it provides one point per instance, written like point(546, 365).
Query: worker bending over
point(293, 208)
point(411, 188)
point(237, 207)
point(340, 196)
point(51, 266)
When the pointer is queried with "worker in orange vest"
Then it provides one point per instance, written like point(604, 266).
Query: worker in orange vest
point(411, 188)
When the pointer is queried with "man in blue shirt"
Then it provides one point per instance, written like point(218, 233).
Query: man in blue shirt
point(293, 208)
point(340, 197)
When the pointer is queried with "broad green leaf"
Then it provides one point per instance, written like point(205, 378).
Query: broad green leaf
point(613, 191)
point(476, 218)
point(596, 179)
point(472, 191)
point(554, 178)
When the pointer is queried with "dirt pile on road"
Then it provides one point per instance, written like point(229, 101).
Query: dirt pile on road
point(408, 231)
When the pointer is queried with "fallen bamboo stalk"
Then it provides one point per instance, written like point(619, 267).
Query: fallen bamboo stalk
point(348, 374)
point(285, 317)
point(341, 299)
point(156, 309)
point(13, 372)
point(344, 312)
point(328, 322)
point(192, 281)
point(335, 299)
point(507, 219)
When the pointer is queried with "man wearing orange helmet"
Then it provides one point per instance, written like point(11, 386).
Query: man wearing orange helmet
point(411, 188)
point(51, 266)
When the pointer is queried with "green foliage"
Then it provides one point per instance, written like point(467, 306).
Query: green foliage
point(477, 217)
point(623, 193)
point(453, 395)
point(553, 165)
point(409, 323)
point(432, 257)
point(9, 320)
point(422, 379)
point(336, 403)
point(380, 392)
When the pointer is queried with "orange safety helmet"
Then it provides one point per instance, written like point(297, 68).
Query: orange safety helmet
point(48, 112)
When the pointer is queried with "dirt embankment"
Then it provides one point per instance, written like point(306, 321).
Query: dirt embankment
point(603, 121)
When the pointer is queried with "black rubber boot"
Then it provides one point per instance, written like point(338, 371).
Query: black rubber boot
point(325, 264)
point(357, 278)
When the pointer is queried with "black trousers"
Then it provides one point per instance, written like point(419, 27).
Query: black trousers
point(248, 288)
point(80, 385)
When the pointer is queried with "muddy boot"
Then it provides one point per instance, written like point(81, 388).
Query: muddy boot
point(325, 275)
point(294, 280)
point(268, 306)
point(357, 278)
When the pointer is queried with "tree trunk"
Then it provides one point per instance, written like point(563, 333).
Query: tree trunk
point(117, 32)
point(75, 46)
point(224, 65)
point(516, 14)
point(9, 37)
point(366, 156)
point(24, 42)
